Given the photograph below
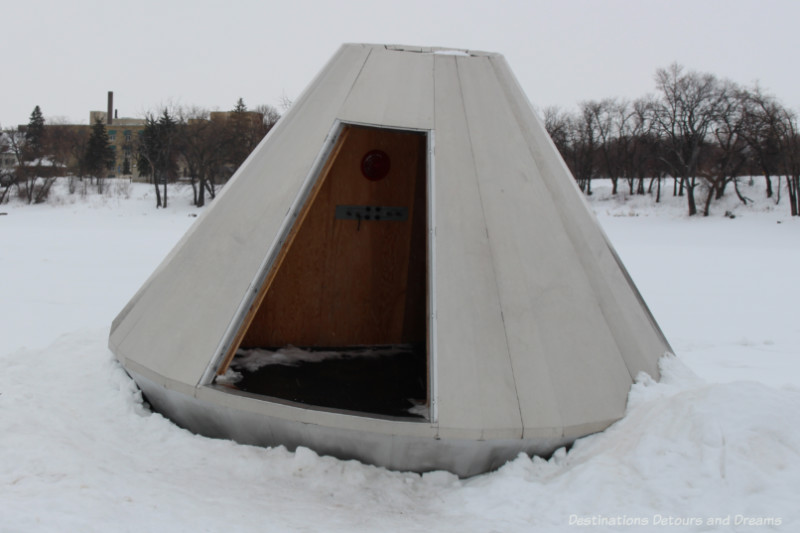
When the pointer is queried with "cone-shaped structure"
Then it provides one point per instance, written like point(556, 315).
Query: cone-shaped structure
point(409, 203)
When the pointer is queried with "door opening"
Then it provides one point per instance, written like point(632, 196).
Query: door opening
point(342, 318)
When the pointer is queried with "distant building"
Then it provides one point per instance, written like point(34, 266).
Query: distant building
point(254, 118)
point(122, 133)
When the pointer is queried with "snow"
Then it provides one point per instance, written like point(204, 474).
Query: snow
point(256, 358)
point(715, 445)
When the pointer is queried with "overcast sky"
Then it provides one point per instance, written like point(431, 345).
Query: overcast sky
point(66, 55)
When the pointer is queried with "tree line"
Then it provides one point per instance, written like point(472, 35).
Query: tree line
point(202, 146)
point(702, 131)
point(208, 148)
point(698, 132)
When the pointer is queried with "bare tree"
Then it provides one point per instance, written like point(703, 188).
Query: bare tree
point(728, 153)
point(70, 143)
point(270, 116)
point(575, 138)
point(584, 143)
point(642, 154)
point(602, 114)
point(203, 148)
point(61, 139)
point(28, 172)
point(557, 124)
point(790, 160)
point(684, 115)
point(762, 132)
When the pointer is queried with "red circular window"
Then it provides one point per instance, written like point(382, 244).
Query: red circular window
point(375, 165)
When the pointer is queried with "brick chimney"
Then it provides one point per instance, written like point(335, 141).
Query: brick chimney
point(109, 115)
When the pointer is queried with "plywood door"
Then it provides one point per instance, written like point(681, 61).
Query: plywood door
point(350, 282)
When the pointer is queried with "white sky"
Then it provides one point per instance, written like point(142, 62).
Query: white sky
point(66, 55)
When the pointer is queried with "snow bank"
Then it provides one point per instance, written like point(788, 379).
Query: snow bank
point(82, 453)
point(685, 449)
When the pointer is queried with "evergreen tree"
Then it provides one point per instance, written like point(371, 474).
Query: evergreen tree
point(240, 126)
point(158, 152)
point(34, 135)
point(146, 149)
point(99, 155)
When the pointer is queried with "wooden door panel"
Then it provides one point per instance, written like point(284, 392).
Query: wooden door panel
point(346, 282)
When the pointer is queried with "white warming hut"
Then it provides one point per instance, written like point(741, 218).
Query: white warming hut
point(410, 203)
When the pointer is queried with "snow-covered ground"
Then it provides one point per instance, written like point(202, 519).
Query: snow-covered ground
point(714, 446)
